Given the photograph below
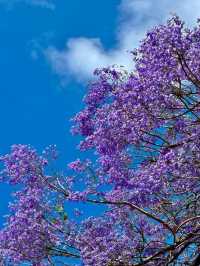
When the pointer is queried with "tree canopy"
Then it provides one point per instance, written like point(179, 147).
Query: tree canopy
point(143, 127)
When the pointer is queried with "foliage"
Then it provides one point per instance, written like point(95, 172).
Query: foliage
point(144, 127)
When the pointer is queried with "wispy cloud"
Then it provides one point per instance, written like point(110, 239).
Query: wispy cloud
point(39, 3)
point(82, 55)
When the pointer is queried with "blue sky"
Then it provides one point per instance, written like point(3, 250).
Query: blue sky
point(48, 50)
point(35, 107)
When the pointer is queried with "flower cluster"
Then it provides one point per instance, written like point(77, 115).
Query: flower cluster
point(27, 235)
point(144, 127)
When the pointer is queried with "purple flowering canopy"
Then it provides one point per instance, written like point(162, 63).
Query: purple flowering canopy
point(144, 129)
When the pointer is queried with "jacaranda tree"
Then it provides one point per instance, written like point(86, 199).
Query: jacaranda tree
point(144, 129)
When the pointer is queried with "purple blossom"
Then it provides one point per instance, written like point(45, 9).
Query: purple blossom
point(144, 128)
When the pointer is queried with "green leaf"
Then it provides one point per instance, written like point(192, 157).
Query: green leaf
point(59, 209)
point(65, 217)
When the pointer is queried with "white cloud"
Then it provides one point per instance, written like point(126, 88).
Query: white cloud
point(82, 55)
point(40, 3)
